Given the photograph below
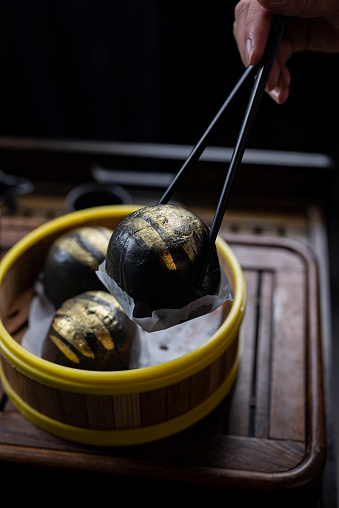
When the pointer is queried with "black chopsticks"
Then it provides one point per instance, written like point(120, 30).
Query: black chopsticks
point(202, 143)
point(262, 73)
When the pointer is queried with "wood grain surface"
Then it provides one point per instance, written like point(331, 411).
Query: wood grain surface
point(266, 440)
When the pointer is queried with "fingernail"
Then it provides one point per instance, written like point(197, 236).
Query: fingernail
point(280, 97)
point(249, 50)
point(274, 94)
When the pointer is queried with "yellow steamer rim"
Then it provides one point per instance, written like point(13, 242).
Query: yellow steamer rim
point(126, 395)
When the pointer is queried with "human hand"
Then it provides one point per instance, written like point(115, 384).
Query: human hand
point(316, 28)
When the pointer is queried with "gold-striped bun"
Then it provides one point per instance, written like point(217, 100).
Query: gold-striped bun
point(90, 331)
point(72, 262)
point(156, 256)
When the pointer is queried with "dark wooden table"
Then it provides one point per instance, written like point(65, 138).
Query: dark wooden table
point(264, 445)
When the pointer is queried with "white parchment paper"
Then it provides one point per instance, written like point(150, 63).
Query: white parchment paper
point(148, 349)
point(162, 319)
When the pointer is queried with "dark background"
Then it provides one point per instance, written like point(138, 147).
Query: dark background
point(150, 70)
point(156, 71)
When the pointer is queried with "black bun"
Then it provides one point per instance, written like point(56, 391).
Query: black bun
point(92, 332)
point(72, 261)
point(156, 256)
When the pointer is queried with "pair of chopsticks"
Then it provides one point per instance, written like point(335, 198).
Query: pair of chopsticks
point(262, 72)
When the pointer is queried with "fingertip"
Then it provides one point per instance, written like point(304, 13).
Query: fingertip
point(249, 50)
point(279, 96)
point(274, 78)
point(284, 95)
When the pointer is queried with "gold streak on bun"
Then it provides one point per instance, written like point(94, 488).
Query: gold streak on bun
point(90, 331)
point(156, 256)
point(72, 262)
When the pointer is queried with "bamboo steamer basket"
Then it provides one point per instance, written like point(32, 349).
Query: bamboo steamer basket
point(112, 408)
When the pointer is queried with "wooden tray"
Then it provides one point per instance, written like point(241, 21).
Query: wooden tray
point(264, 444)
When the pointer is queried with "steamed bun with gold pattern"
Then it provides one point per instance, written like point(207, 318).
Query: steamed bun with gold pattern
point(90, 331)
point(72, 261)
point(156, 256)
